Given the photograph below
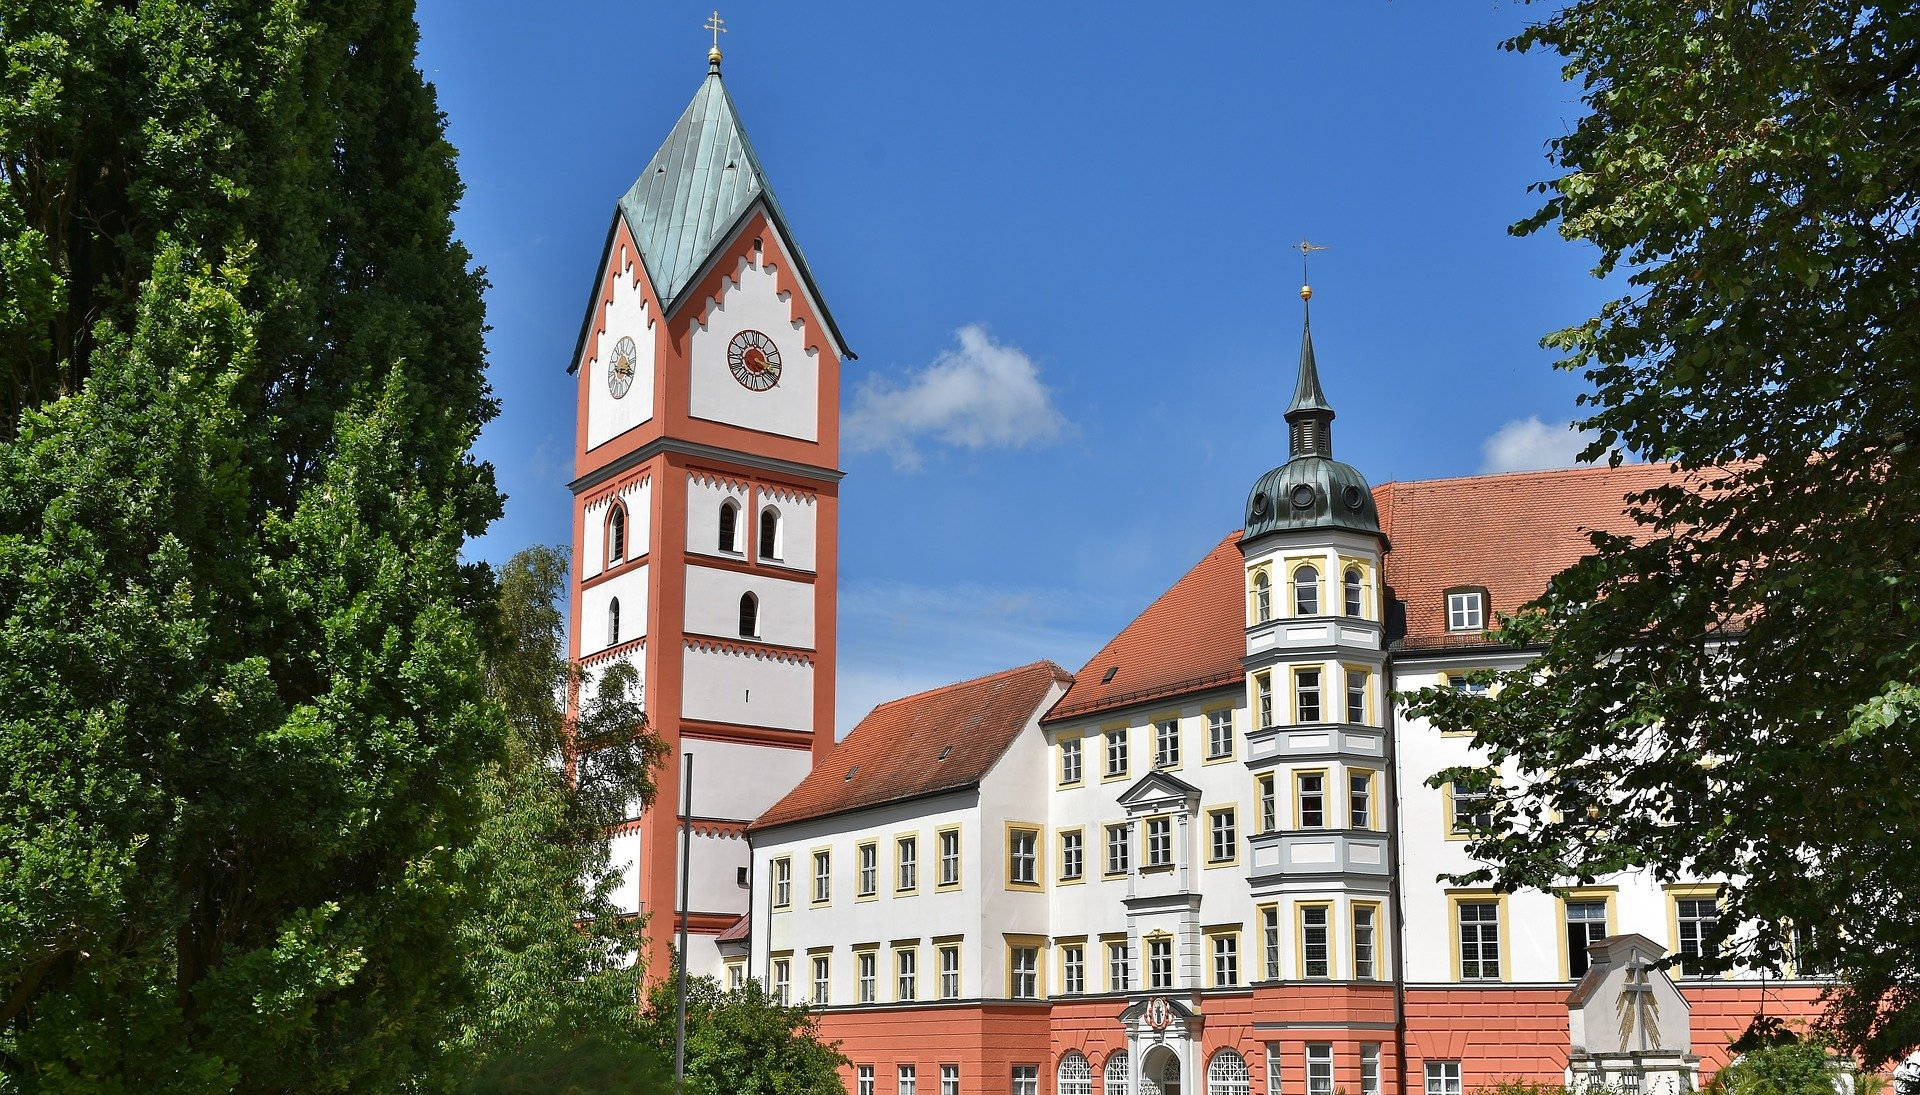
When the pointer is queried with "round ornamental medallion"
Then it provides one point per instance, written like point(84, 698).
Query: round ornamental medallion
point(620, 370)
point(1159, 1013)
point(755, 361)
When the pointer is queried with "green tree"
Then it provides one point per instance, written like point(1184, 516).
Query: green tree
point(1732, 692)
point(744, 1043)
point(1789, 1067)
point(244, 727)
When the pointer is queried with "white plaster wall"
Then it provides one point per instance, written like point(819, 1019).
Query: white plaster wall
point(703, 957)
point(714, 863)
point(751, 301)
point(719, 791)
point(625, 855)
point(592, 551)
point(799, 514)
point(631, 587)
point(713, 606)
point(638, 499)
point(628, 315)
point(736, 687)
point(705, 494)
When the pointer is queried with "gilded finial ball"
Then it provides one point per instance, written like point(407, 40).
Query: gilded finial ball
point(1306, 292)
point(713, 55)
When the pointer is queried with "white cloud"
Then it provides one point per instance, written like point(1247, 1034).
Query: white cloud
point(1528, 444)
point(982, 395)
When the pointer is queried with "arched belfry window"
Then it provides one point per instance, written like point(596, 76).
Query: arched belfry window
point(617, 534)
point(613, 622)
point(769, 533)
point(1306, 591)
point(749, 616)
point(729, 525)
point(1356, 598)
point(1262, 597)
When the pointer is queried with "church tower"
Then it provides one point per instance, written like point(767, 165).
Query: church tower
point(705, 504)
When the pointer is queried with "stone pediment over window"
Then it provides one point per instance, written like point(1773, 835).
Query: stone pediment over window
point(1159, 792)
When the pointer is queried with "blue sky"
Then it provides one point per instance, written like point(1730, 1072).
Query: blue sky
point(1061, 239)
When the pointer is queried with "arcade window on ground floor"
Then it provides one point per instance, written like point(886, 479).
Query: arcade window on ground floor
point(864, 1081)
point(1227, 1074)
point(1319, 1068)
point(949, 1080)
point(1370, 1069)
point(907, 1079)
point(1443, 1078)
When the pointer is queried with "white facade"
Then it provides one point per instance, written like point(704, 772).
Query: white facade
point(751, 300)
point(627, 317)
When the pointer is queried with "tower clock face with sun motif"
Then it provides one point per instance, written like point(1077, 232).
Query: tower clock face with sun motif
point(755, 361)
point(620, 371)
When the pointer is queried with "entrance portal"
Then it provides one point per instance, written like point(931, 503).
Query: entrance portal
point(1160, 1072)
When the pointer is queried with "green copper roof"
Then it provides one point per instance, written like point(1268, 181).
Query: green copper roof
point(695, 191)
point(1307, 395)
point(1312, 489)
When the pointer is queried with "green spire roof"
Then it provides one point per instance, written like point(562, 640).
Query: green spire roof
point(1307, 395)
point(695, 191)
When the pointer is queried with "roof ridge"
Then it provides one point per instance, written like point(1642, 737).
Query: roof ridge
point(1197, 563)
point(983, 678)
point(1531, 473)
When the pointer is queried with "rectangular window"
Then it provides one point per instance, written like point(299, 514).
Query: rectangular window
point(949, 1080)
point(1263, 698)
point(782, 980)
point(869, 869)
point(1472, 811)
point(1220, 733)
point(868, 962)
point(1023, 963)
point(1363, 945)
point(1073, 968)
point(1356, 697)
point(1274, 1069)
point(1695, 918)
point(822, 877)
point(1119, 846)
point(906, 853)
point(1359, 800)
point(1226, 959)
point(907, 1079)
point(1070, 760)
point(1464, 684)
point(1479, 940)
point(1369, 1068)
point(1306, 695)
point(949, 858)
point(1269, 811)
point(1116, 752)
point(1466, 611)
point(864, 1085)
point(1159, 842)
point(1026, 1080)
point(1160, 963)
point(1586, 923)
point(1316, 951)
point(1319, 1068)
point(1166, 743)
point(1072, 856)
point(782, 883)
point(736, 975)
point(1311, 797)
point(950, 972)
point(1443, 1078)
point(1223, 836)
point(906, 967)
point(821, 980)
point(1023, 857)
point(1270, 940)
point(1119, 969)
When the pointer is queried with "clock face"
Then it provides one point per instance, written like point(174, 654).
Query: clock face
point(755, 361)
point(620, 371)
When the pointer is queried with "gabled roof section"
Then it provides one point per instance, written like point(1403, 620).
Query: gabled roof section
point(1189, 640)
point(942, 740)
point(1507, 534)
point(701, 184)
point(1157, 785)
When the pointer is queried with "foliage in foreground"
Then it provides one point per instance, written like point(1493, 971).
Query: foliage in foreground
point(743, 1043)
point(1735, 691)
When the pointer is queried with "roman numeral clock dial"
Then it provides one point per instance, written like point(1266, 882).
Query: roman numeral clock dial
point(620, 371)
point(755, 361)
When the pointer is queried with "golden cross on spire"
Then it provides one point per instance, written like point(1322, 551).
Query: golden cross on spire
point(717, 25)
point(1306, 250)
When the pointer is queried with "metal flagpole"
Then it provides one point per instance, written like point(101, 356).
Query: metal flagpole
point(686, 847)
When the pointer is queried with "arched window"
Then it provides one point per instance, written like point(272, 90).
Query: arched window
point(1076, 1075)
point(617, 533)
point(1116, 1074)
point(1262, 598)
point(1227, 1075)
point(613, 621)
point(1355, 598)
point(729, 525)
point(1306, 591)
point(769, 533)
point(749, 616)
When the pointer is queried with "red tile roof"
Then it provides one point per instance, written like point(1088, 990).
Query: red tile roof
point(736, 931)
point(1191, 639)
point(1507, 533)
point(940, 740)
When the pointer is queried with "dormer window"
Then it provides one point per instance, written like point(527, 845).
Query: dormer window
point(729, 526)
point(1467, 609)
point(749, 616)
point(1306, 591)
point(769, 533)
point(617, 534)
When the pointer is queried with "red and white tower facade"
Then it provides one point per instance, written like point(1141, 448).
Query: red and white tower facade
point(705, 516)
